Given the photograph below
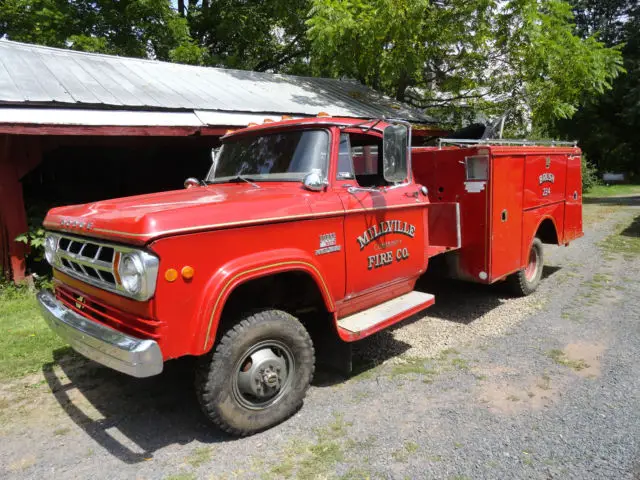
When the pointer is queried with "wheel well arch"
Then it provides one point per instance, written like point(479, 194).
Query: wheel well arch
point(291, 286)
point(547, 232)
point(293, 291)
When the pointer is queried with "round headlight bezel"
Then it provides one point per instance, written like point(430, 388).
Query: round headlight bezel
point(131, 265)
point(50, 249)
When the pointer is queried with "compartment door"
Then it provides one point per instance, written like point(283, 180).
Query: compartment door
point(505, 212)
point(573, 205)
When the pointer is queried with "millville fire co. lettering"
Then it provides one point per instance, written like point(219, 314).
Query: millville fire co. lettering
point(384, 228)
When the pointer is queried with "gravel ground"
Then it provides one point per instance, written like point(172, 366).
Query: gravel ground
point(483, 386)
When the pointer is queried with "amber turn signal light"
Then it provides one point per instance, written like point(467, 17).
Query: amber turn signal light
point(187, 272)
point(171, 275)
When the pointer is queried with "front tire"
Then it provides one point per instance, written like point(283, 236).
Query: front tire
point(526, 281)
point(258, 374)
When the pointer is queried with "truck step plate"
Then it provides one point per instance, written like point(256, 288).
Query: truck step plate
point(408, 304)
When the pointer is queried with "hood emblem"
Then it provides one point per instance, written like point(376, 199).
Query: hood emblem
point(75, 224)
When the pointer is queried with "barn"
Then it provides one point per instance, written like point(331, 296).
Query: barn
point(78, 127)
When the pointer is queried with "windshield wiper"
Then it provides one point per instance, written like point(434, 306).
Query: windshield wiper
point(244, 179)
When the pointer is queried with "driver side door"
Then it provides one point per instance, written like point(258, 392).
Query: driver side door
point(384, 227)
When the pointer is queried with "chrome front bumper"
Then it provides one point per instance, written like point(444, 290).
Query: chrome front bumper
point(130, 355)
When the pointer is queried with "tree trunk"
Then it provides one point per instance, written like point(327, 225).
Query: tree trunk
point(181, 7)
point(401, 87)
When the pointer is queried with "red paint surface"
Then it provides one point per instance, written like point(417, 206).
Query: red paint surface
point(234, 233)
point(13, 218)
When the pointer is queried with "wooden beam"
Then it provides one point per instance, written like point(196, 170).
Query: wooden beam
point(13, 217)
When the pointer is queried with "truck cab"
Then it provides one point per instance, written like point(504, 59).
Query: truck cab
point(303, 229)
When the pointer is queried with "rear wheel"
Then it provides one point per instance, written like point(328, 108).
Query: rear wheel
point(258, 374)
point(526, 281)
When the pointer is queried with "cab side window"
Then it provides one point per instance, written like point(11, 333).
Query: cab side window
point(360, 157)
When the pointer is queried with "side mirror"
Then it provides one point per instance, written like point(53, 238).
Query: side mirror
point(313, 181)
point(395, 152)
point(192, 182)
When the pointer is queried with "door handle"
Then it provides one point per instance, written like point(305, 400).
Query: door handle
point(504, 216)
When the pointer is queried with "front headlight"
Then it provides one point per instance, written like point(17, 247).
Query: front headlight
point(138, 272)
point(50, 247)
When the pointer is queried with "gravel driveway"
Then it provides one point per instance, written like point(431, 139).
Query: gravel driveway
point(482, 386)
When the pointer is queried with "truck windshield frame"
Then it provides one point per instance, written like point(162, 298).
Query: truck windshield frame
point(285, 156)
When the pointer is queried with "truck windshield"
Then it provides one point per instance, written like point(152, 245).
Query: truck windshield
point(285, 156)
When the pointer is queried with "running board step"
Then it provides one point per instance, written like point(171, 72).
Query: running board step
point(369, 321)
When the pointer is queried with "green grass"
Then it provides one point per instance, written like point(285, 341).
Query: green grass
point(408, 449)
point(200, 456)
point(308, 461)
point(612, 190)
point(413, 365)
point(560, 358)
point(26, 342)
point(625, 241)
point(181, 476)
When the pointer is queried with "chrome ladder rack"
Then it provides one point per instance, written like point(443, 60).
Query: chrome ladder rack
point(498, 141)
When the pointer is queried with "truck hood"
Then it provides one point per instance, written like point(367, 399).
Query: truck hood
point(142, 218)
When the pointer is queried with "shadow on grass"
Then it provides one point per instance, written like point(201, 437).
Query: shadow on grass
point(130, 417)
point(632, 230)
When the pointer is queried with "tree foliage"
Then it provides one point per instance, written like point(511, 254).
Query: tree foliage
point(607, 126)
point(252, 34)
point(540, 60)
point(457, 56)
point(138, 28)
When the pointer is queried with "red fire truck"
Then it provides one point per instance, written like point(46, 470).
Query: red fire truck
point(306, 235)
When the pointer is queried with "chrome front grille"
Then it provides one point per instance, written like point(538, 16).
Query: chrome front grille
point(88, 259)
point(91, 261)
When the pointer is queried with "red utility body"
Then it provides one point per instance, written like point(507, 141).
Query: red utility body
point(524, 190)
point(319, 219)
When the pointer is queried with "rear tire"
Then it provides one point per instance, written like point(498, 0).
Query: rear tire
point(526, 281)
point(258, 374)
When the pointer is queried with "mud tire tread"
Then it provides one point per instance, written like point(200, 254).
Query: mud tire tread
point(518, 283)
point(212, 371)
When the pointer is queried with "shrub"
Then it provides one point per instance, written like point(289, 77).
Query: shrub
point(590, 177)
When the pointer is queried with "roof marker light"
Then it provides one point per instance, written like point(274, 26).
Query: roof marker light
point(252, 124)
point(267, 120)
point(323, 114)
point(286, 117)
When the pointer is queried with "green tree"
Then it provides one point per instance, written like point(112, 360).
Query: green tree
point(457, 57)
point(138, 28)
point(607, 126)
point(251, 34)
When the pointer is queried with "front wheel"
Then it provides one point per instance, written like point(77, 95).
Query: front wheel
point(526, 281)
point(258, 374)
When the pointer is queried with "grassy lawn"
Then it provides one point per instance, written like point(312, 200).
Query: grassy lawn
point(26, 342)
point(612, 190)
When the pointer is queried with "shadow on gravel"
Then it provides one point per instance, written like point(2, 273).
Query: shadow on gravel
point(130, 417)
point(464, 302)
point(631, 200)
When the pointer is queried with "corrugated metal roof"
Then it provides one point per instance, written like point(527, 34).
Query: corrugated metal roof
point(33, 75)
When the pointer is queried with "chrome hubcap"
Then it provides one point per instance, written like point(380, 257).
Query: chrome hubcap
point(263, 375)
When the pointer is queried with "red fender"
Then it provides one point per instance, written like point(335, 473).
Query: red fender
point(240, 270)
